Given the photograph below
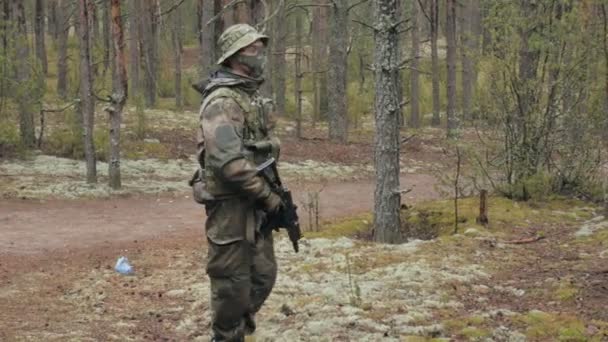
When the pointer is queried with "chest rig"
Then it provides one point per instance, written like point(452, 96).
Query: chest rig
point(257, 146)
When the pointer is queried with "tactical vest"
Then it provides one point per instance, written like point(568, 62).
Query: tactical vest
point(257, 144)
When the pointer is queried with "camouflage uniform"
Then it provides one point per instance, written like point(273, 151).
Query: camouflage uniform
point(235, 135)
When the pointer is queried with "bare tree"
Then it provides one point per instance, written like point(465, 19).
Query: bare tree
point(87, 103)
point(119, 95)
point(386, 143)
point(40, 35)
point(451, 62)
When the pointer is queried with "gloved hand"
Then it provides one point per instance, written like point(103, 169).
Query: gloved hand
point(272, 203)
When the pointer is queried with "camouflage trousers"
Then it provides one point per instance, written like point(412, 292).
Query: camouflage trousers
point(242, 275)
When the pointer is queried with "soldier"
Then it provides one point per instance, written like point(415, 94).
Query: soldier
point(235, 136)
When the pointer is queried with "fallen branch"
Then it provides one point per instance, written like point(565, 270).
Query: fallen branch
point(525, 240)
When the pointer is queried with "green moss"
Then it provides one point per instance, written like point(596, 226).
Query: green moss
point(472, 333)
point(566, 291)
point(347, 227)
point(548, 326)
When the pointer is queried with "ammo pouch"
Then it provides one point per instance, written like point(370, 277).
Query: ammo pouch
point(199, 188)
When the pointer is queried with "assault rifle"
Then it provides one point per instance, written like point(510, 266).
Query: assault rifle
point(287, 216)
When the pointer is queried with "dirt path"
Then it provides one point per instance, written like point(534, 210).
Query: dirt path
point(40, 227)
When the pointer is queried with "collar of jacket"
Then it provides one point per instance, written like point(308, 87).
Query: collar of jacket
point(224, 77)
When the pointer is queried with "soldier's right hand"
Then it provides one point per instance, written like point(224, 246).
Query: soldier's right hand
point(272, 203)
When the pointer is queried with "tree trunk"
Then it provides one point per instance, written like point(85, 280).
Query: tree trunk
point(451, 62)
point(241, 13)
point(336, 77)
point(22, 76)
point(53, 26)
point(63, 29)
point(86, 91)
point(414, 75)
point(279, 54)
point(436, 121)
point(40, 36)
point(319, 56)
point(298, 76)
point(107, 40)
point(149, 46)
point(134, 47)
point(228, 15)
point(207, 38)
point(177, 33)
point(605, 48)
point(469, 18)
point(386, 143)
point(119, 95)
point(93, 36)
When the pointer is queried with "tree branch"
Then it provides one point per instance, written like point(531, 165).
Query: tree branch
point(224, 9)
point(171, 9)
point(365, 24)
point(355, 5)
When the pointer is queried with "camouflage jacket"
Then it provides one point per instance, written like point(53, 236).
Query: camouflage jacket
point(235, 135)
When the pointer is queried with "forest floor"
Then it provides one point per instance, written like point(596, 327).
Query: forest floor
point(537, 272)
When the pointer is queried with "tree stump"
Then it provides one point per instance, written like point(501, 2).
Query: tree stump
point(483, 208)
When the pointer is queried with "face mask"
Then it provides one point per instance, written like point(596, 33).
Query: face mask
point(255, 63)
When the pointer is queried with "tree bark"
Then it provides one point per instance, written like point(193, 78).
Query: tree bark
point(207, 38)
point(319, 56)
point(40, 36)
point(279, 57)
point(434, 13)
point(119, 95)
point(22, 76)
point(451, 62)
point(414, 75)
point(241, 13)
point(336, 77)
point(107, 39)
point(53, 22)
point(86, 91)
point(63, 29)
point(149, 44)
point(469, 38)
point(298, 75)
point(387, 200)
point(134, 47)
point(604, 12)
point(177, 33)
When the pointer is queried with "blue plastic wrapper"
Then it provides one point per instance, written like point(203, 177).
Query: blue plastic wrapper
point(123, 266)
